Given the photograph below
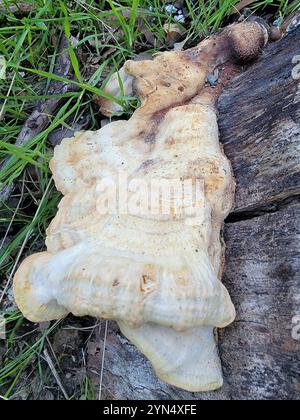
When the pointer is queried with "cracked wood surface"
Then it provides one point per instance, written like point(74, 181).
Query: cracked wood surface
point(259, 125)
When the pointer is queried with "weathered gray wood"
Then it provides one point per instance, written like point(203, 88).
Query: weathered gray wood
point(259, 123)
point(261, 360)
point(259, 126)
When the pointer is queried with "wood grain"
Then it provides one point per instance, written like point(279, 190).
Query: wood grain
point(259, 127)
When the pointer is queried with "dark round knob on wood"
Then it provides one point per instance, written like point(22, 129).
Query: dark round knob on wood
point(247, 40)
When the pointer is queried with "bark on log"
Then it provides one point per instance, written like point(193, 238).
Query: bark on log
point(259, 125)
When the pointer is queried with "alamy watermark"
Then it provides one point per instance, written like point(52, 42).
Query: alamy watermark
point(296, 72)
point(152, 198)
point(296, 318)
point(2, 67)
point(2, 328)
point(296, 68)
point(296, 327)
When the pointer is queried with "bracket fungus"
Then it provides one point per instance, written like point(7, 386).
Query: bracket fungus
point(157, 275)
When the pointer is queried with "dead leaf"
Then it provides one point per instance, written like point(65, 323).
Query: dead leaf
point(150, 38)
point(174, 34)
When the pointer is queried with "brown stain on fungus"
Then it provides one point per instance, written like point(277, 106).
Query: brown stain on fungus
point(147, 283)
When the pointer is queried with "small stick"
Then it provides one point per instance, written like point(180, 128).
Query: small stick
point(2, 111)
point(17, 260)
point(103, 358)
point(13, 216)
point(39, 119)
point(55, 374)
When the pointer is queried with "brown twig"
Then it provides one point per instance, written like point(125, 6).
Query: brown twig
point(55, 374)
point(40, 117)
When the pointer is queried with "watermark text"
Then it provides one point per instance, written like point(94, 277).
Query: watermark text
point(2, 67)
point(2, 328)
point(153, 198)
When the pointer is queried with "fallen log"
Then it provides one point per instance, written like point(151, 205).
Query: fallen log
point(259, 125)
